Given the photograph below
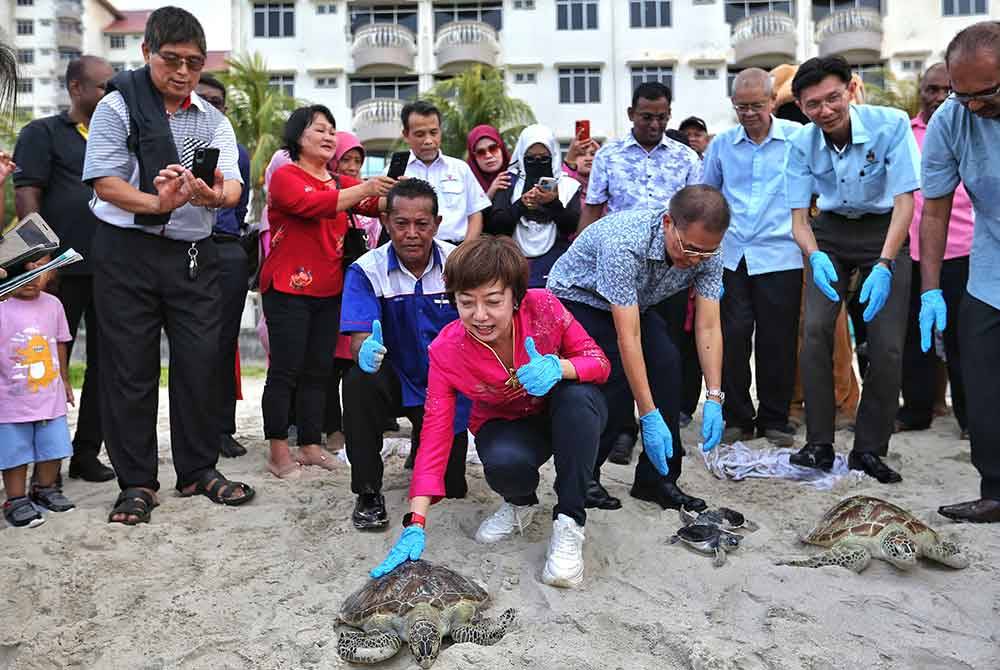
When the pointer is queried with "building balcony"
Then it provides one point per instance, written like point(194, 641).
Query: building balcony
point(855, 34)
point(68, 9)
point(460, 43)
point(69, 35)
point(384, 44)
point(378, 121)
point(764, 39)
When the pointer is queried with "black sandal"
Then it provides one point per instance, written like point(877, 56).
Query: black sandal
point(133, 502)
point(214, 486)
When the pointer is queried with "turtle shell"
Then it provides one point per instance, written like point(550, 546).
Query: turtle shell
point(698, 533)
point(863, 517)
point(411, 584)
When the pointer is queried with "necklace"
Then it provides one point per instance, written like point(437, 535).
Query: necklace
point(512, 383)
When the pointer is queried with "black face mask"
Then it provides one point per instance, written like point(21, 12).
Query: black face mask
point(536, 167)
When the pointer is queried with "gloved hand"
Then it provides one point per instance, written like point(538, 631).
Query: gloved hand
point(409, 546)
point(657, 441)
point(875, 290)
point(824, 274)
point(540, 373)
point(933, 314)
point(711, 425)
point(372, 350)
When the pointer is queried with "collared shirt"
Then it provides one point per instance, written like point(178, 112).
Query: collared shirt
point(193, 126)
point(459, 193)
point(881, 162)
point(962, 146)
point(960, 226)
point(626, 176)
point(622, 260)
point(751, 178)
point(230, 221)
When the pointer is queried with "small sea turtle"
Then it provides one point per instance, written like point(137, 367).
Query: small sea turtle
point(860, 527)
point(419, 603)
point(708, 539)
point(723, 517)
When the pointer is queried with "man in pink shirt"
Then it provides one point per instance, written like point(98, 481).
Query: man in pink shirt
point(919, 379)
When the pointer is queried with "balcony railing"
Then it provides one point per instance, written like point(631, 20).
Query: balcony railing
point(378, 119)
point(384, 44)
point(68, 9)
point(767, 33)
point(466, 41)
point(853, 29)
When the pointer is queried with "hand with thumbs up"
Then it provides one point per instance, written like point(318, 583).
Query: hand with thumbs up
point(540, 373)
point(372, 350)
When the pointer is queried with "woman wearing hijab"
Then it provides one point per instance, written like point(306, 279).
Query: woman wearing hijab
point(488, 159)
point(541, 207)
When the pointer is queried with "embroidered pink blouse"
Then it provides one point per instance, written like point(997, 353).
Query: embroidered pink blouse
point(459, 363)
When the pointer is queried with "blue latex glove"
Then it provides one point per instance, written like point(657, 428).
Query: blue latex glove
point(372, 350)
point(711, 425)
point(933, 314)
point(409, 546)
point(657, 441)
point(540, 373)
point(875, 290)
point(824, 274)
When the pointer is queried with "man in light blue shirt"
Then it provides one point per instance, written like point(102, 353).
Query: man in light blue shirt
point(864, 164)
point(960, 145)
point(763, 264)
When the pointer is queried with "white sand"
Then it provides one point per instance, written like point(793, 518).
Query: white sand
point(204, 586)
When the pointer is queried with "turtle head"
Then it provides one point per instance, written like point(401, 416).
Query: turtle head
point(899, 549)
point(947, 553)
point(424, 636)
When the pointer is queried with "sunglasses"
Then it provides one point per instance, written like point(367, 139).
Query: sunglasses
point(982, 96)
point(483, 152)
point(695, 253)
point(174, 61)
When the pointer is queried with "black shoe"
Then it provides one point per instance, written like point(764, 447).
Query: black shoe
point(230, 448)
point(813, 455)
point(873, 466)
point(779, 436)
point(985, 510)
point(621, 450)
point(90, 470)
point(599, 498)
point(369, 512)
point(667, 495)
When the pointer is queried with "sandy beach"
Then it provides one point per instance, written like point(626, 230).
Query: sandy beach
point(260, 586)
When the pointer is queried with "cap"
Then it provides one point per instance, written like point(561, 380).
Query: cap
point(693, 121)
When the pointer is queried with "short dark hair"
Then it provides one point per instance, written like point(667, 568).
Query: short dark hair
point(651, 90)
point(982, 35)
point(413, 189)
point(209, 80)
point(484, 260)
point(173, 25)
point(297, 124)
point(700, 203)
point(815, 70)
point(677, 136)
point(421, 108)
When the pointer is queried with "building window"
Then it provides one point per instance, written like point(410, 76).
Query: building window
point(117, 66)
point(274, 19)
point(394, 88)
point(823, 8)
point(66, 55)
point(284, 83)
point(737, 10)
point(649, 14)
point(661, 73)
point(488, 12)
point(579, 84)
point(25, 56)
point(912, 65)
point(872, 74)
point(117, 41)
point(576, 14)
point(524, 78)
point(25, 27)
point(326, 82)
point(963, 7)
point(706, 73)
point(326, 8)
point(731, 79)
point(524, 4)
point(25, 3)
point(403, 15)
point(26, 85)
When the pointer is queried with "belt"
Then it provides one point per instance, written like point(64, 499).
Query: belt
point(856, 217)
point(225, 237)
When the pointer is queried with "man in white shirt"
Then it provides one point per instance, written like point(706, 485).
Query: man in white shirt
point(461, 197)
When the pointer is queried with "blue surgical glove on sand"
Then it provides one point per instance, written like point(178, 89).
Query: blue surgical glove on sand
point(372, 350)
point(409, 546)
point(657, 441)
point(540, 373)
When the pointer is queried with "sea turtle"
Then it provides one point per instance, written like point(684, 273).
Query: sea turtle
point(860, 527)
point(708, 539)
point(419, 603)
point(723, 517)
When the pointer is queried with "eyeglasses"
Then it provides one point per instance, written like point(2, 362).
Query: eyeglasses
point(755, 107)
point(834, 98)
point(483, 152)
point(174, 61)
point(649, 118)
point(966, 98)
point(695, 253)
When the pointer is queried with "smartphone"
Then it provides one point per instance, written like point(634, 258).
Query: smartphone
point(397, 164)
point(583, 129)
point(547, 183)
point(203, 166)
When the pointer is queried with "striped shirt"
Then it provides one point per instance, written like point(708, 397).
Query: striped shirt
point(194, 126)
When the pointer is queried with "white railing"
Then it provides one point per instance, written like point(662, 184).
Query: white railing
point(384, 36)
point(378, 110)
point(849, 21)
point(465, 32)
point(765, 24)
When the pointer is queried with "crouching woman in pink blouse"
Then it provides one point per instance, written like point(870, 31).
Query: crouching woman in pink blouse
point(531, 372)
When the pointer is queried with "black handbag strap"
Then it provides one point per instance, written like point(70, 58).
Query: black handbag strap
point(350, 212)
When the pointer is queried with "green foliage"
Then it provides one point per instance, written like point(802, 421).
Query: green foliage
point(902, 94)
point(476, 96)
point(10, 127)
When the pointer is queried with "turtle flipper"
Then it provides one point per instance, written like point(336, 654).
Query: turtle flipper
point(849, 556)
point(687, 518)
point(720, 556)
point(484, 631)
point(750, 526)
point(373, 647)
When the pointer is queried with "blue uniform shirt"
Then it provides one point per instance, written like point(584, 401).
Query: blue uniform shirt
point(881, 162)
point(751, 178)
point(962, 146)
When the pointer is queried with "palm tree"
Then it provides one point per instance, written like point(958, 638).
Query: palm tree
point(902, 94)
point(476, 96)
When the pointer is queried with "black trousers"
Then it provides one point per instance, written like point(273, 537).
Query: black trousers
point(141, 286)
point(979, 339)
point(855, 245)
point(333, 416)
point(763, 308)
point(674, 311)
point(303, 333)
point(76, 292)
point(370, 401)
point(919, 368)
point(663, 369)
point(569, 431)
point(234, 272)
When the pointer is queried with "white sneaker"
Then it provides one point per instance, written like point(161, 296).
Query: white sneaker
point(504, 522)
point(564, 561)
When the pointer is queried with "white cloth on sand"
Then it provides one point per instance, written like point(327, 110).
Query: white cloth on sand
point(738, 461)
point(401, 446)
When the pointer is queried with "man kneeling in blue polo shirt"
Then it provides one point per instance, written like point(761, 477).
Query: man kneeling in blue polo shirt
point(394, 305)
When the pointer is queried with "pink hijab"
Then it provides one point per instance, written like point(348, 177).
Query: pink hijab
point(345, 142)
point(476, 134)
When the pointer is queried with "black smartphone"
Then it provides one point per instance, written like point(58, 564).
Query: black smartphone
point(398, 163)
point(204, 163)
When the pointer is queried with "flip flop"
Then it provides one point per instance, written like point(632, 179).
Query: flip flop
point(291, 471)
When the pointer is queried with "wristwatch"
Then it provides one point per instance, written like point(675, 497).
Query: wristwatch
point(715, 394)
point(889, 263)
point(414, 519)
